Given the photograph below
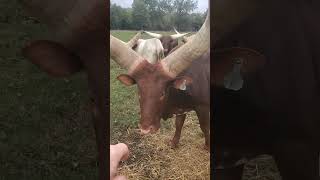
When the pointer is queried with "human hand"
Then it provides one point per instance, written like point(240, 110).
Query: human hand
point(118, 152)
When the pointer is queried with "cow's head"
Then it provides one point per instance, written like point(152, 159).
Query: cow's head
point(153, 80)
point(153, 83)
point(168, 41)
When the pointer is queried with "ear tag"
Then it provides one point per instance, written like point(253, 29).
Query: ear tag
point(233, 80)
point(183, 86)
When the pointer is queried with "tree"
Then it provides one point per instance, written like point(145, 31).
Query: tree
point(181, 10)
point(197, 20)
point(115, 16)
point(183, 7)
point(140, 15)
point(157, 15)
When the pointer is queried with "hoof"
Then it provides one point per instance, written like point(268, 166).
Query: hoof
point(173, 144)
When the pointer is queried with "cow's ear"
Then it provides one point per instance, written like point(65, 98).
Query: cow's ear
point(249, 59)
point(126, 79)
point(225, 60)
point(181, 83)
point(52, 58)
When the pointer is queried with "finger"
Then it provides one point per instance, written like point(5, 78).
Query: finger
point(125, 151)
point(119, 152)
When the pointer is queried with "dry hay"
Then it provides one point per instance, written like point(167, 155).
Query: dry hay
point(262, 167)
point(152, 158)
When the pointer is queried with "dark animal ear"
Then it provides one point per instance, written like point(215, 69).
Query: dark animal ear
point(225, 59)
point(181, 83)
point(52, 58)
point(126, 79)
point(249, 59)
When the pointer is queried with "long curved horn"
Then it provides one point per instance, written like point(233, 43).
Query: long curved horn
point(194, 49)
point(155, 35)
point(133, 41)
point(176, 36)
point(124, 55)
point(186, 39)
point(175, 30)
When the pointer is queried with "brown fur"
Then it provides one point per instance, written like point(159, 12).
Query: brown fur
point(168, 44)
point(161, 97)
point(279, 106)
point(80, 44)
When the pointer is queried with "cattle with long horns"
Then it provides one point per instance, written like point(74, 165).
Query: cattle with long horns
point(178, 83)
point(168, 41)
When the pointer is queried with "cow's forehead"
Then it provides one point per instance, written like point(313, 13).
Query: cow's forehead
point(147, 70)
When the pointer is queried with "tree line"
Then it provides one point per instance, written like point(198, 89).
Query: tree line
point(160, 15)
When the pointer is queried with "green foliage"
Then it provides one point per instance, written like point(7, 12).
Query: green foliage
point(121, 18)
point(140, 15)
point(182, 8)
point(160, 15)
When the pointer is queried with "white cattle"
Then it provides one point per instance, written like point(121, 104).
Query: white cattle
point(151, 49)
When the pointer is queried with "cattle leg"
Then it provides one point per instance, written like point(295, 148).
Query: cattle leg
point(204, 120)
point(224, 162)
point(97, 92)
point(234, 173)
point(100, 138)
point(179, 124)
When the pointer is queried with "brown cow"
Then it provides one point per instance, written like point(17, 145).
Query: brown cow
point(178, 83)
point(168, 41)
point(277, 111)
point(153, 79)
point(79, 44)
point(197, 94)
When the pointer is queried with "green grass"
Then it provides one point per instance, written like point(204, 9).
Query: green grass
point(44, 133)
point(124, 107)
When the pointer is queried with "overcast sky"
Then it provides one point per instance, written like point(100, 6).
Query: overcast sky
point(202, 4)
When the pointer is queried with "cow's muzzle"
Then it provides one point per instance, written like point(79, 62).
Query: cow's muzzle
point(147, 130)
